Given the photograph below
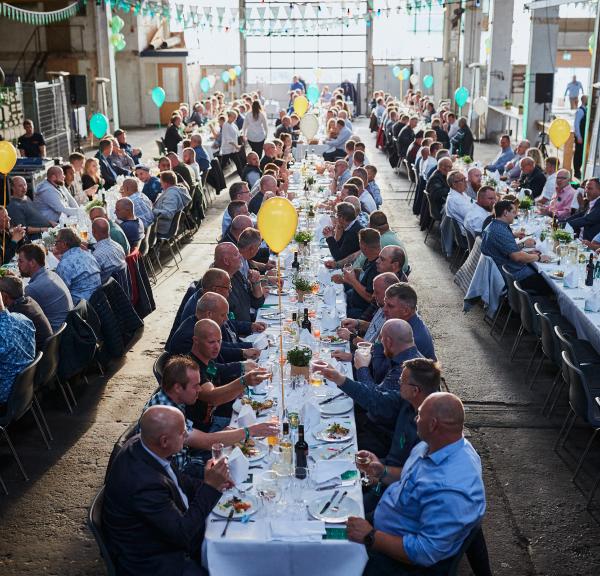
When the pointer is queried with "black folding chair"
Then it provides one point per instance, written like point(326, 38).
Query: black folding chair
point(94, 521)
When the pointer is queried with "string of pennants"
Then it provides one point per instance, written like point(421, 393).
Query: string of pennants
point(38, 18)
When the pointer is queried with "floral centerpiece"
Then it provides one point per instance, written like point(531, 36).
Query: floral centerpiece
point(467, 160)
point(303, 236)
point(49, 237)
point(560, 235)
point(525, 203)
point(299, 359)
point(310, 180)
point(303, 287)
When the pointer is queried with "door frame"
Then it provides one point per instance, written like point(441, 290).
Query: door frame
point(170, 106)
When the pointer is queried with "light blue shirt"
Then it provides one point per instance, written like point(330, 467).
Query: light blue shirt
point(573, 89)
point(340, 140)
point(500, 161)
point(52, 201)
point(375, 192)
point(17, 348)
point(142, 207)
point(80, 272)
point(436, 503)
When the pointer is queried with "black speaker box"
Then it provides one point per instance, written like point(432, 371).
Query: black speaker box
point(544, 88)
point(78, 89)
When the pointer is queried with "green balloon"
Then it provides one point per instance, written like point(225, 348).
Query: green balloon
point(428, 81)
point(312, 93)
point(116, 24)
point(120, 45)
point(461, 96)
point(99, 125)
point(158, 96)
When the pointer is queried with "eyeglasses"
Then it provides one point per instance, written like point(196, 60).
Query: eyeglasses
point(230, 287)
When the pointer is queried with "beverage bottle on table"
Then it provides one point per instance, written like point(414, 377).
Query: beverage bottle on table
point(295, 263)
point(306, 322)
point(589, 277)
point(285, 444)
point(301, 452)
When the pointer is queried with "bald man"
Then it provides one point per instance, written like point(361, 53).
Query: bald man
point(51, 198)
point(438, 186)
point(251, 172)
point(153, 517)
point(108, 254)
point(142, 205)
point(132, 227)
point(532, 177)
point(424, 518)
point(22, 211)
point(246, 293)
point(238, 225)
point(341, 173)
point(215, 307)
point(267, 184)
point(116, 233)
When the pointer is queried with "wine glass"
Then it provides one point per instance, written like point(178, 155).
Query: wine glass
point(361, 462)
point(217, 451)
point(268, 490)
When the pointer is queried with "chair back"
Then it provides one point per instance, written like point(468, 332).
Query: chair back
point(151, 236)
point(174, 227)
point(578, 392)
point(95, 525)
point(470, 239)
point(529, 318)
point(513, 295)
point(49, 363)
point(550, 344)
point(459, 237)
point(21, 394)
point(144, 245)
point(412, 175)
point(455, 562)
point(159, 366)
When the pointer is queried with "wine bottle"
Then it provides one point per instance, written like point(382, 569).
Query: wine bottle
point(306, 322)
point(301, 452)
point(286, 449)
point(589, 278)
point(295, 263)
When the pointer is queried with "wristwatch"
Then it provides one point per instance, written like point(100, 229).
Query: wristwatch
point(369, 539)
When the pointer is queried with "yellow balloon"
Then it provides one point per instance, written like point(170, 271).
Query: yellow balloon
point(559, 132)
point(232, 74)
point(300, 105)
point(277, 221)
point(8, 157)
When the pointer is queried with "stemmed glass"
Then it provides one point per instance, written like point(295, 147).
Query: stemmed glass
point(361, 462)
point(268, 490)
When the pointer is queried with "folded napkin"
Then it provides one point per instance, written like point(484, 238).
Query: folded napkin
point(297, 530)
point(326, 470)
point(329, 296)
point(324, 276)
point(306, 339)
point(310, 414)
point(330, 320)
point(238, 466)
point(592, 302)
point(259, 340)
point(246, 417)
point(571, 279)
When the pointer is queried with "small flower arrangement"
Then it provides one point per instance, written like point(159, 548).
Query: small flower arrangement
point(302, 284)
point(49, 237)
point(467, 160)
point(507, 103)
point(95, 203)
point(310, 180)
point(526, 203)
point(560, 235)
point(303, 237)
point(299, 356)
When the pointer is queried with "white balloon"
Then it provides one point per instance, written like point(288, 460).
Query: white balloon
point(211, 80)
point(309, 125)
point(480, 105)
point(414, 79)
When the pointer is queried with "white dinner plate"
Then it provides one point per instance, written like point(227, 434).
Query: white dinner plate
point(340, 342)
point(325, 437)
point(262, 452)
point(338, 406)
point(221, 509)
point(325, 452)
point(348, 507)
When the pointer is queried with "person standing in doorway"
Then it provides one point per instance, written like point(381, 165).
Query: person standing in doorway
point(579, 130)
point(573, 89)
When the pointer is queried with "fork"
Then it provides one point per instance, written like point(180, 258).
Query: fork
point(337, 506)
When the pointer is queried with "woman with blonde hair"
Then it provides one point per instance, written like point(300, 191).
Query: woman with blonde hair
point(536, 156)
point(90, 179)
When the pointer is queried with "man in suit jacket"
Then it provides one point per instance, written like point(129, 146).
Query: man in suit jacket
point(532, 177)
point(154, 517)
point(343, 239)
point(107, 171)
point(588, 219)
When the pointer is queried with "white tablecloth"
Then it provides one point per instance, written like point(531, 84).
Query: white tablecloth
point(300, 149)
point(247, 549)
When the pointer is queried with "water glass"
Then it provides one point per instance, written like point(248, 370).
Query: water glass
point(361, 462)
point(217, 451)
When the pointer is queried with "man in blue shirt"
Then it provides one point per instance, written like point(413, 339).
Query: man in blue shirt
point(505, 155)
point(574, 88)
point(579, 129)
point(335, 146)
point(201, 154)
point(152, 187)
point(424, 518)
point(498, 242)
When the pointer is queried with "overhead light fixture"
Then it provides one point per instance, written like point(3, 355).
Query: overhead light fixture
point(567, 56)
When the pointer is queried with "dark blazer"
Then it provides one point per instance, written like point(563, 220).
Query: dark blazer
point(405, 139)
point(241, 299)
point(172, 138)
point(534, 181)
point(147, 527)
point(347, 244)
point(107, 172)
point(588, 220)
point(462, 142)
point(438, 189)
point(256, 202)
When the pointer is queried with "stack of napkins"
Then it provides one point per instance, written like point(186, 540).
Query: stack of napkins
point(571, 279)
point(330, 320)
point(297, 530)
point(592, 302)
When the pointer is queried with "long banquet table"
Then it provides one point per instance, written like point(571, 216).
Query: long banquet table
point(248, 548)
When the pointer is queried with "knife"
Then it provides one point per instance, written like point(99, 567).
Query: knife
point(328, 503)
point(232, 520)
point(343, 496)
point(328, 487)
point(338, 452)
point(332, 399)
point(231, 513)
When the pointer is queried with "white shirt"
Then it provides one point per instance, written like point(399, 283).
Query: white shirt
point(367, 202)
point(452, 129)
point(229, 138)
point(255, 130)
point(426, 166)
point(550, 187)
point(457, 206)
point(475, 218)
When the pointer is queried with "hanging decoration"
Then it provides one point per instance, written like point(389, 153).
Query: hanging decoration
point(428, 81)
point(158, 96)
point(559, 132)
point(99, 125)
point(225, 76)
point(38, 18)
point(396, 71)
point(205, 84)
point(309, 126)
point(480, 105)
point(8, 157)
point(461, 96)
point(405, 73)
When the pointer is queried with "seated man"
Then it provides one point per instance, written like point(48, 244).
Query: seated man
point(184, 387)
point(480, 211)
point(267, 184)
point(505, 155)
point(121, 138)
point(108, 170)
point(251, 172)
point(343, 238)
point(532, 177)
point(132, 227)
point(424, 518)
point(142, 205)
point(239, 223)
point(17, 348)
point(458, 203)
point(360, 178)
point(562, 198)
point(360, 281)
point(238, 191)
point(500, 245)
point(234, 208)
point(116, 232)
point(108, 254)
point(11, 237)
point(335, 146)
point(372, 187)
point(201, 154)
point(437, 185)
point(51, 198)
point(182, 171)
point(45, 287)
point(153, 517)
point(173, 199)
point(78, 269)
point(588, 219)
point(246, 293)
point(152, 187)
point(11, 291)
point(22, 211)
point(269, 154)
point(341, 174)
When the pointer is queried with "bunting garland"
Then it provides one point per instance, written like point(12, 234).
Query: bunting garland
point(38, 18)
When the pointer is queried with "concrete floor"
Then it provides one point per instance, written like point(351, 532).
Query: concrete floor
point(536, 522)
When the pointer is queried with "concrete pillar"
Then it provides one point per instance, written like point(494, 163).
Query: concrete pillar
point(242, 18)
point(542, 59)
point(471, 47)
point(451, 50)
point(499, 69)
point(591, 149)
point(106, 60)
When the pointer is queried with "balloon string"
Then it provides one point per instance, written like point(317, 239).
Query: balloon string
point(281, 356)
point(4, 202)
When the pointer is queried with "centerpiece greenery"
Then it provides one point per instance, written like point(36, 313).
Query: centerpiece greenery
point(303, 236)
point(526, 203)
point(560, 235)
point(299, 359)
point(303, 286)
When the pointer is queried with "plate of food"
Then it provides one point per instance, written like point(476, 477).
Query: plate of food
point(274, 292)
point(252, 450)
point(338, 511)
point(557, 275)
point(333, 340)
point(335, 432)
point(242, 506)
point(258, 405)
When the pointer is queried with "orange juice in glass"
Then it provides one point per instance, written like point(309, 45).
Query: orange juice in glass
point(316, 378)
point(273, 440)
point(84, 235)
